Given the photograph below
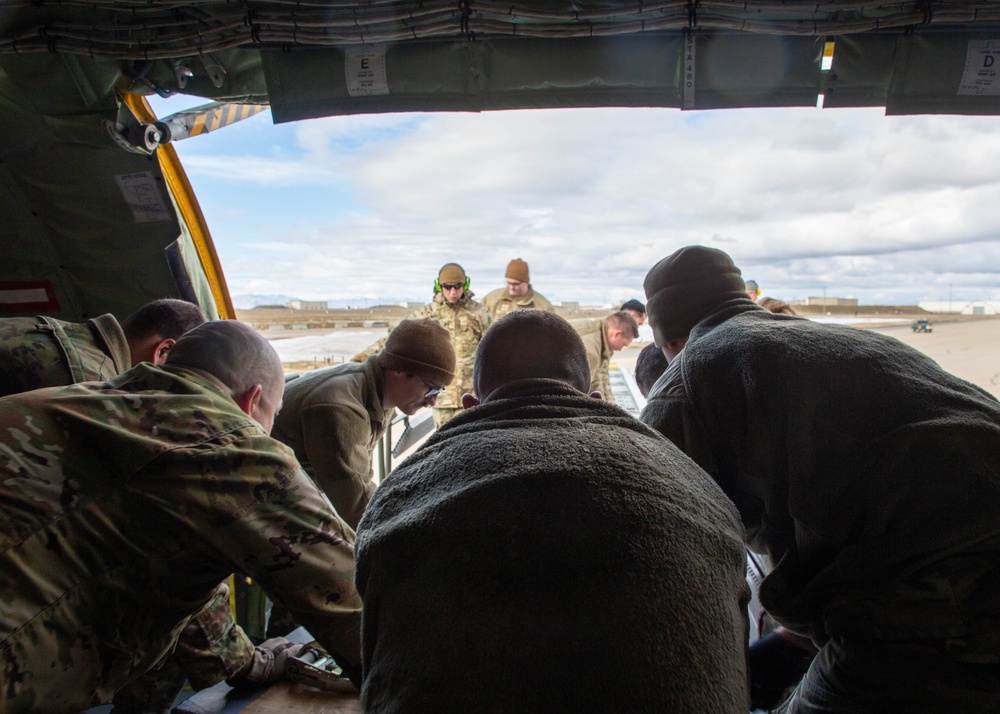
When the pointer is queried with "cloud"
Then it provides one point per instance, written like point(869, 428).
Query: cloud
point(803, 199)
point(260, 170)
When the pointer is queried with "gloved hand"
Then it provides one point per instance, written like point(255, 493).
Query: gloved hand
point(268, 662)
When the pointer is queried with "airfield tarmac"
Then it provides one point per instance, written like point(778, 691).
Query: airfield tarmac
point(969, 349)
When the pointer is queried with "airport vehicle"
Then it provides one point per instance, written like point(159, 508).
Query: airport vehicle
point(922, 326)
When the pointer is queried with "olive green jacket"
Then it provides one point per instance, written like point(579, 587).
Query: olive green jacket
point(333, 418)
point(594, 333)
point(126, 503)
point(499, 302)
point(466, 321)
point(41, 351)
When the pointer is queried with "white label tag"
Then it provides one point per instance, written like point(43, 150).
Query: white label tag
point(143, 197)
point(687, 76)
point(981, 65)
point(364, 67)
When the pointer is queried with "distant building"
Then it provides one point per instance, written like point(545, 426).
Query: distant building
point(981, 307)
point(569, 305)
point(307, 305)
point(831, 302)
point(962, 307)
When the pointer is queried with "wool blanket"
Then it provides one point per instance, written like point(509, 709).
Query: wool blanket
point(545, 551)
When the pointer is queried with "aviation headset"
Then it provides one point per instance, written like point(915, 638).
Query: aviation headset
point(437, 280)
point(437, 284)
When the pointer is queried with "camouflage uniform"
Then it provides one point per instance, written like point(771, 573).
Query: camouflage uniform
point(499, 302)
point(594, 333)
point(38, 352)
point(126, 504)
point(466, 321)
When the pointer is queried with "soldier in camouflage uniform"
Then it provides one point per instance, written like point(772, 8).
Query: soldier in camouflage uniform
point(866, 474)
point(517, 295)
point(602, 338)
point(127, 503)
point(41, 351)
point(466, 320)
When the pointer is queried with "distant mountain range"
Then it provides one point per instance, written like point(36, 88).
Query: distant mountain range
point(250, 301)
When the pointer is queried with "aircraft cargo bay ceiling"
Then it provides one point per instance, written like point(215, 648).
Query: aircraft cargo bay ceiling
point(310, 58)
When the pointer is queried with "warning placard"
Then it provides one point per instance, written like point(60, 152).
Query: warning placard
point(365, 70)
point(981, 64)
point(144, 198)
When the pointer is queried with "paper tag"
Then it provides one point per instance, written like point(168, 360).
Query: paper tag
point(143, 196)
point(364, 67)
point(981, 64)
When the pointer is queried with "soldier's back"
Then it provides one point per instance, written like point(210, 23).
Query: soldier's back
point(38, 352)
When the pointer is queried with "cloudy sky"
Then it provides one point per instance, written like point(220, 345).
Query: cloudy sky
point(850, 203)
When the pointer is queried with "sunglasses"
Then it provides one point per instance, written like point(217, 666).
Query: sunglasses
point(452, 286)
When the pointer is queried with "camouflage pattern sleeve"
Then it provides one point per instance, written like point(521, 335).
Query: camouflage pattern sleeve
point(376, 347)
point(211, 648)
point(370, 350)
point(301, 553)
point(485, 318)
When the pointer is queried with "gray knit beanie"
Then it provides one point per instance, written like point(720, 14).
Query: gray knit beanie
point(685, 287)
point(420, 347)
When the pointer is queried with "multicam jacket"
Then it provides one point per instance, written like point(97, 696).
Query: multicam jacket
point(37, 352)
point(41, 351)
point(594, 333)
point(465, 321)
point(499, 302)
point(125, 505)
point(333, 418)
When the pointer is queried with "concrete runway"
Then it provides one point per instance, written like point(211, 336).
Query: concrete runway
point(969, 349)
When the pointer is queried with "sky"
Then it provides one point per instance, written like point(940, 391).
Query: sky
point(808, 202)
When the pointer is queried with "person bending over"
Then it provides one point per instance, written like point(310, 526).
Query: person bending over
point(544, 551)
point(865, 473)
point(124, 505)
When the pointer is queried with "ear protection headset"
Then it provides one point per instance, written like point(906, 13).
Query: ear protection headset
point(437, 284)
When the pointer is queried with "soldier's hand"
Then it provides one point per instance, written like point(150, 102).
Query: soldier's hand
point(268, 662)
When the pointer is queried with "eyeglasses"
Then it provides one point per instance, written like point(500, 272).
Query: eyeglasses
point(452, 286)
point(432, 391)
point(514, 283)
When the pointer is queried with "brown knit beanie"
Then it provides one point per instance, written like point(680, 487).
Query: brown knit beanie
point(451, 273)
point(420, 347)
point(685, 287)
point(517, 270)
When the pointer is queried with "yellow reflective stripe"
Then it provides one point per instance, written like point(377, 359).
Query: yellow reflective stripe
point(191, 213)
point(199, 125)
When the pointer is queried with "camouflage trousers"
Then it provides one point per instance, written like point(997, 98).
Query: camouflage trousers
point(441, 415)
point(210, 648)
